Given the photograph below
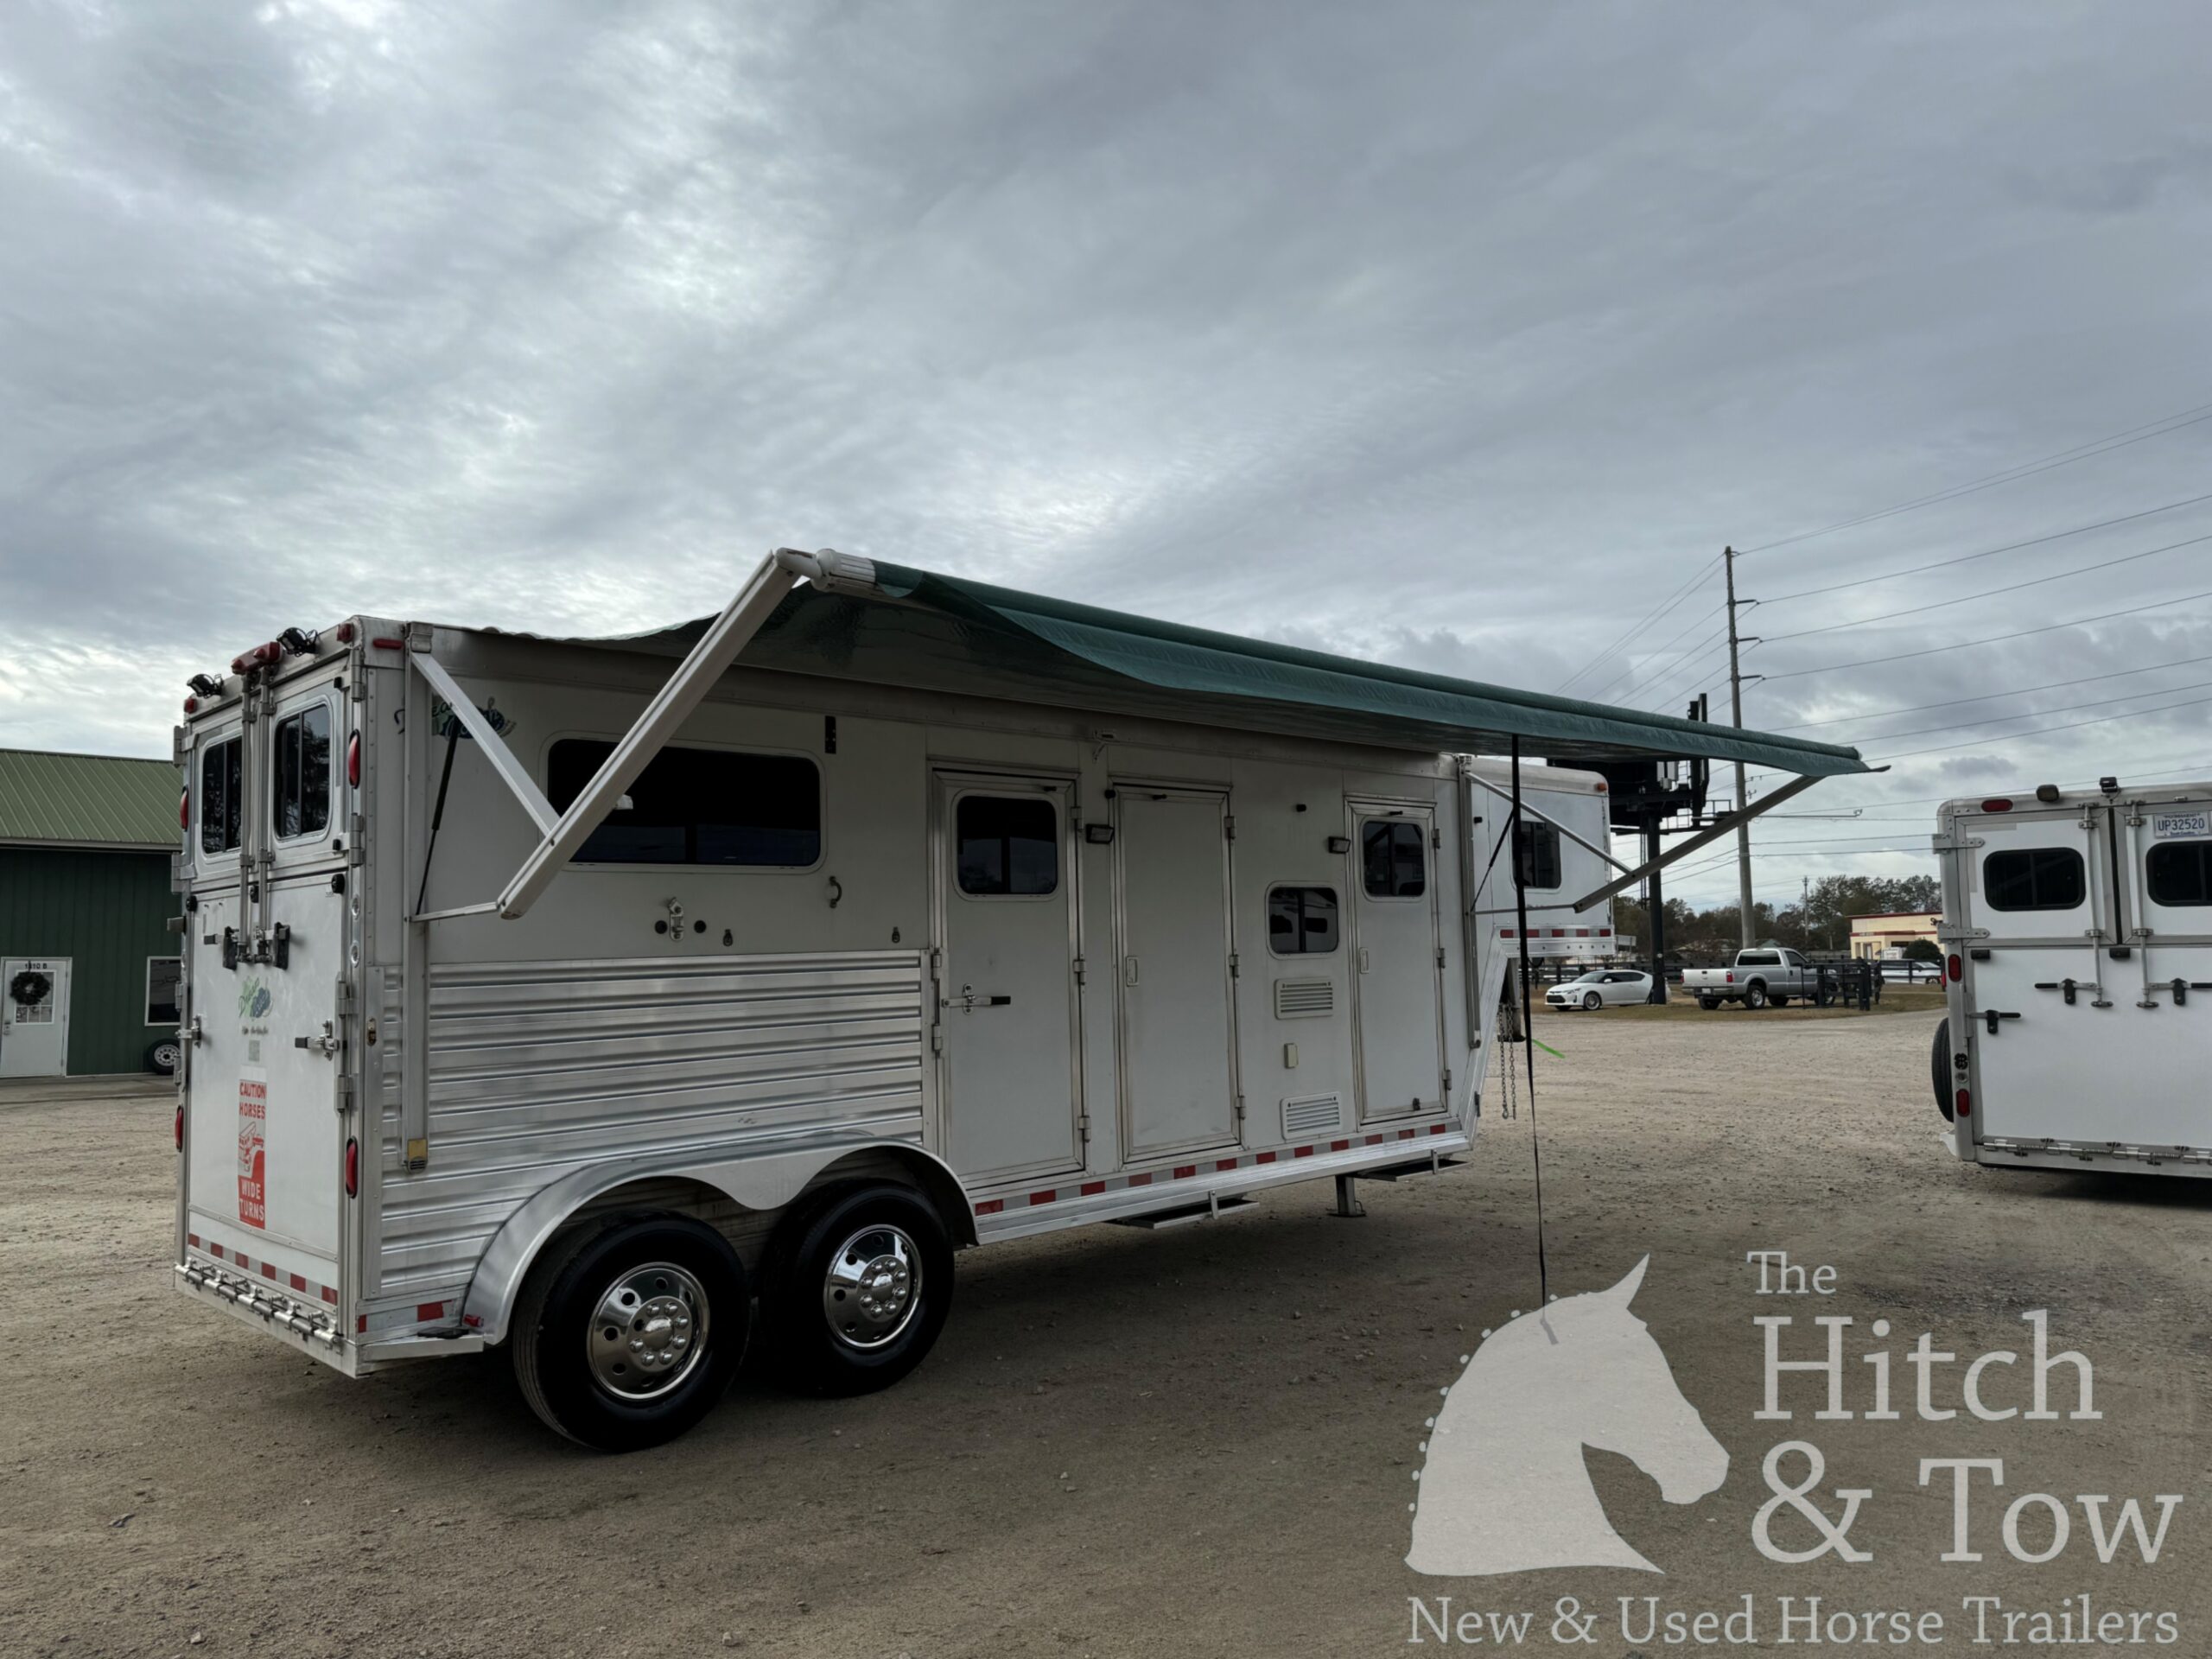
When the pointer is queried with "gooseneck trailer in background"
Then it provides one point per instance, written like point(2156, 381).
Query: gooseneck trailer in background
point(573, 995)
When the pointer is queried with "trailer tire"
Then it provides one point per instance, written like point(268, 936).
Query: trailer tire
point(1708, 1003)
point(876, 1250)
point(1939, 1068)
point(163, 1056)
point(670, 1275)
point(1755, 995)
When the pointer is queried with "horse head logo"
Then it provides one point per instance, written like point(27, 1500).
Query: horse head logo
point(1504, 1489)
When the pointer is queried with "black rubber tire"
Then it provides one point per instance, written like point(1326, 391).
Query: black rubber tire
point(1591, 1002)
point(1755, 995)
point(805, 1354)
point(163, 1056)
point(554, 1318)
point(1939, 1068)
point(1781, 1001)
point(1708, 1003)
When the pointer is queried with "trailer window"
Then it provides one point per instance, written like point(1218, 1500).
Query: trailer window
point(162, 975)
point(1009, 846)
point(2034, 878)
point(220, 796)
point(301, 797)
point(1301, 921)
point(1537, 845)
point(697, 807)
point(1394, 864)
point(2180, 873)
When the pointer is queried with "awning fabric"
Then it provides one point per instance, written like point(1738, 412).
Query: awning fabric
point(947, 633)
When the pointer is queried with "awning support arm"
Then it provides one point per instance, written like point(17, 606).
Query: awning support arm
point(563, 833)
point(1539, 812)
point(1703, 838)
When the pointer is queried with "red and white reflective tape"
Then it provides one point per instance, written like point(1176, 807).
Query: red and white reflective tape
point(1091, 1189)
point(269, 1270)
point(386, 1319)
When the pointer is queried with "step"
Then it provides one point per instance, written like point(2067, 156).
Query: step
point(1155, 1219)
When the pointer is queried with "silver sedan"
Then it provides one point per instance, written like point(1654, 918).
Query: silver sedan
point(1601, 987)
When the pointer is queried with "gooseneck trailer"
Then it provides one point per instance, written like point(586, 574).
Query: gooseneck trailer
point(573, 995)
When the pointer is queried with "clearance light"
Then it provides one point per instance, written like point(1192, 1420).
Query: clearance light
point(1962, 1103)
point(184, 810)
point(353, 760)
point(353, 1167)
point(1999, 805)
point(180, 1126)
point(192, 705)
point(344, 633)
point(1955, 968)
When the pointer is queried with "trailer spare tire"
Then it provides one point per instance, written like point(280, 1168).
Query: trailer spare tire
point(860, 1284)
point(1939, 1067)
point(627, 1334)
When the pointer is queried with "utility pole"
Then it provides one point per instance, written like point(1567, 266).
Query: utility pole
point(1745, 915)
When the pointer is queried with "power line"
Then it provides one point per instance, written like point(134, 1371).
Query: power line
point(1987, 553)
point(1994, 638)
point(1987, 592)
point(1700, 577)
point(2017, 690)
point(2031, 714)
point(1700, 650)
point(1696, 622)
point(2072, 726)
point(2133, 435)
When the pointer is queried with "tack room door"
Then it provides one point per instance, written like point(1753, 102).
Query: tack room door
point(1178, 1025)
point(1397, 965)
point(1005, 1030)
point(34, 1016)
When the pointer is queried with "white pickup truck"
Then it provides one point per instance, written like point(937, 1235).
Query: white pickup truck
point(1757, 978)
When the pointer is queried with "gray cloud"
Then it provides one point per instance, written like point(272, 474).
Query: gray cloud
point(1454, 336)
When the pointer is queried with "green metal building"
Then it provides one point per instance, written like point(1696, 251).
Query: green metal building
point(87, 962)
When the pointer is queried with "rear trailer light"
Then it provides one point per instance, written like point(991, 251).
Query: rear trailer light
point(344, 633)
point(353, 761)
point(353, 1167)
point(1955, 968)
point(180, 1126)
point(2001, 805)
point(184, 810)
point(1962, 1103)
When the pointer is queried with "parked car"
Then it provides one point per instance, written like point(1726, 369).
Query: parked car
point(1601, 987)
point(1757, 978)
point(1912, 973)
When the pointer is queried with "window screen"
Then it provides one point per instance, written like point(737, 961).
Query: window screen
point(1301, 921)
point(1537, 848)
point(2034, 878)
point(161, 990)
point(1394, 864)
point(2180, 873)
point(302, 795)
point(697, 807)
point(220, 796)
point(1009, 846)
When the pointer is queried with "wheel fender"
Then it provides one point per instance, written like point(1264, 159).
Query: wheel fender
point(762, 1182)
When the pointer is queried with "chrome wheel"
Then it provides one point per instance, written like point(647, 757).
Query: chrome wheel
point(648, 1331)
point(873, 1287)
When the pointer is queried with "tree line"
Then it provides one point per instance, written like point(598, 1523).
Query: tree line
point(1821, 921)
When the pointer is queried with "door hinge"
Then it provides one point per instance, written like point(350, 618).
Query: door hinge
point(937, 1039)
point(343, 1100)
point(1082, 1127)
point(1439, 958)
point(1447, 1082)
point(1435, 838)
point(1079, 970)
point(1229, 826)
point(1240, 1108)
point(936, 961)
point(1232, 965)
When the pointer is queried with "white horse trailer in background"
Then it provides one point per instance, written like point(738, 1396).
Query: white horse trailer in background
point(537, 996)
point(2077, 933)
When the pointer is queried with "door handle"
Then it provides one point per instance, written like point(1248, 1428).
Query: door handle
point(1129, 970)
point(968, 1002)
point(1366, 961)
point(1992, 1016)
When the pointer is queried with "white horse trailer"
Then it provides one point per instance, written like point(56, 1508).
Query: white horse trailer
point(2077, 933)
point(537, 996)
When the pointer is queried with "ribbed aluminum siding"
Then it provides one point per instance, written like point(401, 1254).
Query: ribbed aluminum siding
point(539, 1068)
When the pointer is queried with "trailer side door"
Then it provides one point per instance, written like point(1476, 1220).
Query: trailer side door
point(1398, 959)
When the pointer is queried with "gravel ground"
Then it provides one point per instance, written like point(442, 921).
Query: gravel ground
point(1200, 1441)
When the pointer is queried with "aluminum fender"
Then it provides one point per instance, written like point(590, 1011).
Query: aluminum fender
point(766, 1182)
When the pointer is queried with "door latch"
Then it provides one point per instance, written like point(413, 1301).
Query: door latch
point(325, 1045)
point(1992, 1016)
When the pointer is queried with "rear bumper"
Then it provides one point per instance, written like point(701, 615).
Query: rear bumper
point(309, 1326)
point(2001, 1153)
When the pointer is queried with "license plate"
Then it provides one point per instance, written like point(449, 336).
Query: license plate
point(2181, 823)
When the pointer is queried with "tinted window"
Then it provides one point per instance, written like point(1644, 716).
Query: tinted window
point(2180, 873)
point(302, 797)
point(1008, 845)
point(161, 990)
point(1394, 864)
point(2034, 878)
point(697, 807)
point(1758, 959)
point(1537, 845)
point(221, 796)
point(1301, 921)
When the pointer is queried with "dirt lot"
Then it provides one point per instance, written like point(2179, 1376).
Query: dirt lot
point(1200, 1441)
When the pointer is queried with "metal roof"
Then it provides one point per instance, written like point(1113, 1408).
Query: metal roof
point(87, 800)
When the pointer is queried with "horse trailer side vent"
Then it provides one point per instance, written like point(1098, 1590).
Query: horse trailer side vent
point(1304, 998)
point(1312, 1115)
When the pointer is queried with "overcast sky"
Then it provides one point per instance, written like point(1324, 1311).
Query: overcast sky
point(1456, 336)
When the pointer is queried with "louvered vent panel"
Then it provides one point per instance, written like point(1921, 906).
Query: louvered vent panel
point(1312, 1115)
point(1304, 998)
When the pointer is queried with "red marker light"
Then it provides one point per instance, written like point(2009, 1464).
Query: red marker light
point(1999, 805)
point(353, 1167)
point(385, 642)
point(1955, 968)
point(180, 1126)
point(1962, 1103)
point(184, 810)
point(192, 705)
point(344, 632)
point(353, 760)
